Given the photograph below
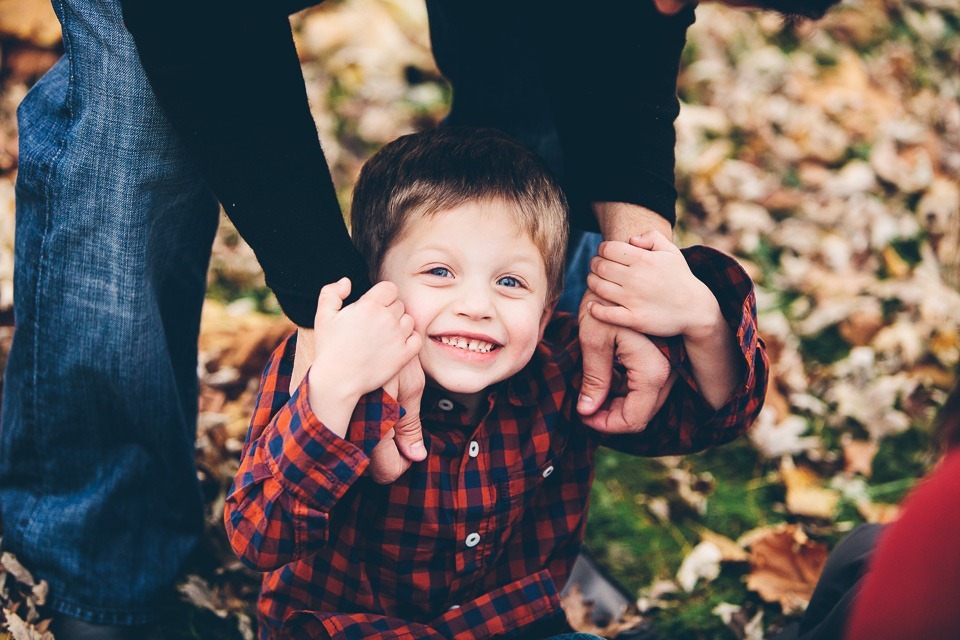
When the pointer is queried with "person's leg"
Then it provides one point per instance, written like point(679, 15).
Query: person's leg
point(830, 603)
point(98, 489)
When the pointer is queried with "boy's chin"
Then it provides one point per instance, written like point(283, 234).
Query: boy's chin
point(463, 385)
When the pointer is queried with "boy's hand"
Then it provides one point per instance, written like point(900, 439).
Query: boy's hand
point(357, 349)
point(648, 381)
point(652, 285)
point(403, 445)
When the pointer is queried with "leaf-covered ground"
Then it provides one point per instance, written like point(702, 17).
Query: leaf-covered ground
point(825, 156)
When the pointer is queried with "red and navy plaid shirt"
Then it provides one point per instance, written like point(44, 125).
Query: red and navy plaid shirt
point(476, 540)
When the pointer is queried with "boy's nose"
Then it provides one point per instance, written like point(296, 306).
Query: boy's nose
point(474, 302)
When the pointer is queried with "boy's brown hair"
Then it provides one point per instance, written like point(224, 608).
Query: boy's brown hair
point(425, 173)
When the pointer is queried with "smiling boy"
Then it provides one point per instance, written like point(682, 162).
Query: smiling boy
point(465, 230)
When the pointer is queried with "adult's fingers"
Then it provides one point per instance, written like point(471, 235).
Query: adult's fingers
point(597, 342)
point(330, 300)
point(409, 434)
point(386, 463)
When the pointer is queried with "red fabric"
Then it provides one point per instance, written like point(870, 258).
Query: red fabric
point(461, 546)
point(912, 590)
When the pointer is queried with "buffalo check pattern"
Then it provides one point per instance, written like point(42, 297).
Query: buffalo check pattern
point(477, 540)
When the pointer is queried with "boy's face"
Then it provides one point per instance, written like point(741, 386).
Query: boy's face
point(476, 288)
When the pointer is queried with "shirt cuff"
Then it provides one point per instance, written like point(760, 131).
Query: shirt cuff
point(734, 291)
point(313, 462)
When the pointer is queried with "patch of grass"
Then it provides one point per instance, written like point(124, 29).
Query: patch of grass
point(901, 460)
point(826, 346)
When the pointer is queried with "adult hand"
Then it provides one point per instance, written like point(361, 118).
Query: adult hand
point(644, 389)
point(648, 378)
point(403, 445)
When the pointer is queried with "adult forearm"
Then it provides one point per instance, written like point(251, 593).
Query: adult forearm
point(229, 80)
point(621, 220)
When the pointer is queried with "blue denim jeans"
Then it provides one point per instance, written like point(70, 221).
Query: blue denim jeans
point(98, 490)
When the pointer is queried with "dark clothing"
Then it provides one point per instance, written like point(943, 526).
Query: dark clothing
point(592, 89)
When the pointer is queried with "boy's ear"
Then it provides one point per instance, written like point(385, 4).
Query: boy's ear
point(547, 314)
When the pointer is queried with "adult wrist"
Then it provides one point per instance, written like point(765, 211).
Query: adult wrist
point(621, 220)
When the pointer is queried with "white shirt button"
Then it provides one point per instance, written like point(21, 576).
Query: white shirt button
point(548, 471)
point(474, 449)
point(445, 404)
point(454, 606)
point(473, 539)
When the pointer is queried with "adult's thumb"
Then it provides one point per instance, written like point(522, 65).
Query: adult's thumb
point(409, 437)
point(331, 300)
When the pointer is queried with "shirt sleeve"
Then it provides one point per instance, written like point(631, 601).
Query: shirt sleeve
point(686, 423)
point(293, 469)
point(228, 78)
point(610, 73)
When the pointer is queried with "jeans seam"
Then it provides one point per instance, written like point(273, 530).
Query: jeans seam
point(99, 615)
point(50, 170)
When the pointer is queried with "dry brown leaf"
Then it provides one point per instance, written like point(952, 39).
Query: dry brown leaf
point(805, 495)
point(785, 566)
point(860, 328)
point(580, 616)
point(879, 513)
point(858, 455)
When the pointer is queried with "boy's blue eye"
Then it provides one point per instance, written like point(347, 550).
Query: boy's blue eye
point(443, 272)
point(509, 281)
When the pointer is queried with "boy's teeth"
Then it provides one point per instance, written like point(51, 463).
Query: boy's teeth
point(469, 345)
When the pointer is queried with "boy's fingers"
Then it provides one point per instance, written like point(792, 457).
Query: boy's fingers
point(331, 298)
point(653, 240)
point(406, 324)
point(610, 270)
point(608, 291)
point(396, 309)
point(384, 293)
point(621, 252)
point(618, 315)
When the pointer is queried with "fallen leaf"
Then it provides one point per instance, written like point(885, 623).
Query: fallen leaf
point(774, 439)
point(730, 551)
point(858, 455)
point(805, 495)
point(580, 616)
point(785, 566)
point(739, 622)
point(879, 513)
point(701, 563)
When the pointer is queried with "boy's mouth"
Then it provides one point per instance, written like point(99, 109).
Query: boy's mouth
point(467, 343)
